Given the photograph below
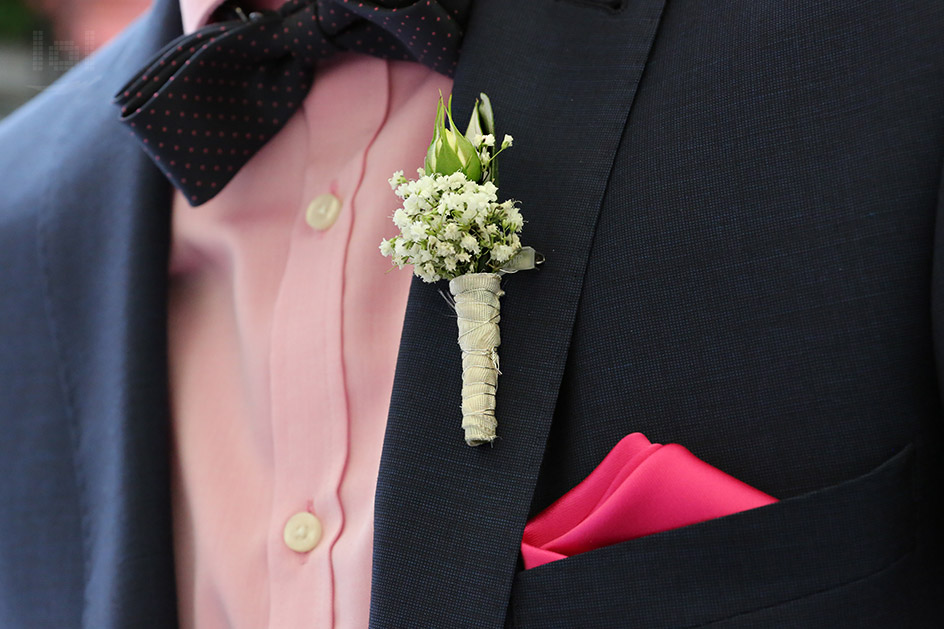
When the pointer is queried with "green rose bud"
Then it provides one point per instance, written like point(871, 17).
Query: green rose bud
point(450, 151)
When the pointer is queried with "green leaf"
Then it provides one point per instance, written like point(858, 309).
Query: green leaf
point(475, 126)
point(430, 164)
point(484, 109)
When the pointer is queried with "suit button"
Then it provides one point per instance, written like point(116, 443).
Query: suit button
point(302, 532)
point(323, 211)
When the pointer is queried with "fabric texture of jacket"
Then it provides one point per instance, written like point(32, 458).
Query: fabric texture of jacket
point(737, 202)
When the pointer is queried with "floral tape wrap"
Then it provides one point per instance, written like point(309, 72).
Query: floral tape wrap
point(477, 306)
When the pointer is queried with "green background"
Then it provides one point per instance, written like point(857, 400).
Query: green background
point(17, 21)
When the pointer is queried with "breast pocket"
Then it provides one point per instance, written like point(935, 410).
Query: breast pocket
point(784, 557)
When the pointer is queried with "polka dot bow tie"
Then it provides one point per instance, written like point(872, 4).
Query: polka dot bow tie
point(207, 102)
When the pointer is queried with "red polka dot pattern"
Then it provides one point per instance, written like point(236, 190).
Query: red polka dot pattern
point(209, 100)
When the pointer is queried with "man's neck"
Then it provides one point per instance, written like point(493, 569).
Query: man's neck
point(197, 13)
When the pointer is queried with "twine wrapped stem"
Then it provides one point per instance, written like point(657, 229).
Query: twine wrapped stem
point(477, 306)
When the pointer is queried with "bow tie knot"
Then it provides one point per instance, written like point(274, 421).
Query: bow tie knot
point(211, 99)
point(315, 30)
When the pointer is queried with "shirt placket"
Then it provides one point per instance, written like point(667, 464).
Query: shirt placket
point(309, 405)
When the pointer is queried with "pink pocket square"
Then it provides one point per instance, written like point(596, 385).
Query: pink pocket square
point(639, 489)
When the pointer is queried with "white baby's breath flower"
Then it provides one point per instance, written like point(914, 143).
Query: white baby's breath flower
point(451, 225)
point(451, 202)
point(401, 219)
point(397, 180)
point(469, 243)
point(468, 215)
point(418, 230)
point(507, 141)
point(513, 218)
point(478, 200)
point(503, 253)
point(456, 180)
point(426, 187)
point(451, 232)
point(426, 272)
point(413, 204)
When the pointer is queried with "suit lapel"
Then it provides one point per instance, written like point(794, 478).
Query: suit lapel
point(449, 518)
point(104, 234)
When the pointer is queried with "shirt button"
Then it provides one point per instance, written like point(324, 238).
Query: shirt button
point(323, 211)
point(302, 532)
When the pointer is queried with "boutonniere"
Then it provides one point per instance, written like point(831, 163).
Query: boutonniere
point(453, 227)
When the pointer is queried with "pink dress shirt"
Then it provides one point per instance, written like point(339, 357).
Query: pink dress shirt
point(283, 343)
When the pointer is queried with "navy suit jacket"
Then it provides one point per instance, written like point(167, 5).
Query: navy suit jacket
point(738, 203)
